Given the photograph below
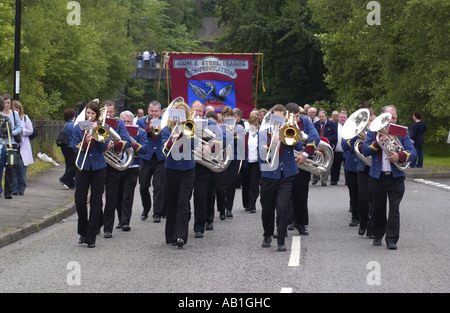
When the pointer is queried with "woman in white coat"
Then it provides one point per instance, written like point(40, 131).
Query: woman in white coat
point(20, 172)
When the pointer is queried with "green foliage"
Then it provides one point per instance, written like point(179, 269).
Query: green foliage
point(403, 62)
point(284, 32)
point(63, 64)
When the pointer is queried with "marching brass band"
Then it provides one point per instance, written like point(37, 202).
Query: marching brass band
point(189, 155)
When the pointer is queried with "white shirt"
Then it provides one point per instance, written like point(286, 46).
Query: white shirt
point(252, 146)
point(385, 164)
point(339, 140)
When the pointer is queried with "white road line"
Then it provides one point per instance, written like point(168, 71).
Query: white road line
point(294, 260)
point(286, 290)
point(429, 182)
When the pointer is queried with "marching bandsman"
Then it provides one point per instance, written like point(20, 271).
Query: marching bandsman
point(386, 181)
point(180, 176)
point(351, 166)
point(92, 175)
point(152, 166)
point(364, 204)
point(300, 188)
point(276, 182)
point(128, 177)
point(112, 174)
point(235, 138)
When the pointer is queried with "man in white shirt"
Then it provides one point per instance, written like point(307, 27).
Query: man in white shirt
point(146, 57)
point(338, 152)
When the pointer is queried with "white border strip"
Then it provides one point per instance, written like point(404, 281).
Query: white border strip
point(296, 247)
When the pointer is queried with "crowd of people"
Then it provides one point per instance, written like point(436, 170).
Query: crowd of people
point(15, 148)
point(165, 156)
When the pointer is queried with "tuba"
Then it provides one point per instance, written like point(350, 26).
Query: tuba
point(392, 145)
point(357, 125)
point(213, 163)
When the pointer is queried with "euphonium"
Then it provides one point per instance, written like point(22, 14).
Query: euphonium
point(392, 145)
point(319, 163)
point(357, 125)
point(214, 161)
point(113, 158)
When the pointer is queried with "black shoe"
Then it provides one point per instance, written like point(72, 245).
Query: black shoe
point(315, 181)
point(290, 226)
point(209, 226)
point(324, 184)
point(108, 235)
point(333, 183)
point(119, 226)
point(21, 193)
point(361, 232)
point(301, 229)
point(14, 193)
point(156, 219)
point(8, 197)
point(391, 246)
point(144, 216)
point(91, 245)
point(198, 234)
point(354, 222)
point(126, 227)
point(282, 247)
point(180, 243)
point(81, 240)
point(229, 214)
point(252, 210)
point(222, 216)
point(377, 242)
point(266, 242)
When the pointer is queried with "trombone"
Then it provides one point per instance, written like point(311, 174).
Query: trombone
point(100, 133)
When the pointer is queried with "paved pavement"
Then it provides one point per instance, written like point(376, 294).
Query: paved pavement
point(47, 202)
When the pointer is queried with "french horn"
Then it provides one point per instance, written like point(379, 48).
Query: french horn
point(357, 125)
point(392, 145)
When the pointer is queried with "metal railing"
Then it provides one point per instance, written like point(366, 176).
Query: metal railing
point(45, 142)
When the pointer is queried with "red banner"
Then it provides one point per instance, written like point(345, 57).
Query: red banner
point(215, 80)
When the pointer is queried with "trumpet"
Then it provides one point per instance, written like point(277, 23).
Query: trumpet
point(392, 145)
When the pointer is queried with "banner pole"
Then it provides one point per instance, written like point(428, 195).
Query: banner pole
point(167, 76)
point(257, 78)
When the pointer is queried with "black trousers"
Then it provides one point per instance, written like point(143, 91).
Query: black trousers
point(181, 184)
point(381, 190)
point(300, 190)
point(231, 180)
point(112, 189)
point(250, 185)
point(202, 182)
point(69, 175)
point(88, 225)
point(157, 170)
point(364, 200)
point(275, 194)
point(216, 190)
point(352, 184)
point(336, 166)
point(125, 196)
